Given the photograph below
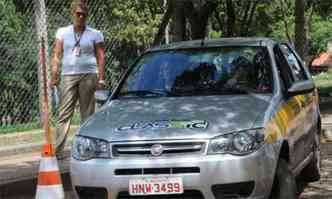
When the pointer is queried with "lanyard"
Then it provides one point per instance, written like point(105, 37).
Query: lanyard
point(78, 38)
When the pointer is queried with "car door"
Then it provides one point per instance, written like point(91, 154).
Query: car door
point(308, 102)
point(291, 108)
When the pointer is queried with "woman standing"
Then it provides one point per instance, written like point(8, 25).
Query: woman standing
point(79, 60)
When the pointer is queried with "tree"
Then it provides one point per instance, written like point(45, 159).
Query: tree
point(190, 19)
point(198, 13)
point(164, 22)
point(18, 102)
point(284, 6)
point(178, 24)
point(300, 28)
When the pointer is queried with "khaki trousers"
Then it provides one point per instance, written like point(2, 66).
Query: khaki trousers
point(74, 88)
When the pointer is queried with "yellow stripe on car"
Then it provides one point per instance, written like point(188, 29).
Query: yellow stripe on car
point(279, 126)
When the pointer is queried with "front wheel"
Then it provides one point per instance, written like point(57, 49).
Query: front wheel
point(311, 172)
point(284, 185)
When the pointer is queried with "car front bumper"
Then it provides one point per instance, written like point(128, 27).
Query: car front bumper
point(214, 171)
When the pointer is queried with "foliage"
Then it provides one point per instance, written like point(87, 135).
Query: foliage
point(10, 21)
point(323, 81)
point(132, 25)
point(279, 29)
point(134, 22)
point(19, 103)
point(321, 34)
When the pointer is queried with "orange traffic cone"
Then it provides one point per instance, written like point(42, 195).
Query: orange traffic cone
point(49, 180)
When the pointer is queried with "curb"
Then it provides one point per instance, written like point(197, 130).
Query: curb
point(27, 148)
point(25, 142)
point(21, 137)
point(22, 148)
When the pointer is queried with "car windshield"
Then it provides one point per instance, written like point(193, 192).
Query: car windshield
point(204, 71)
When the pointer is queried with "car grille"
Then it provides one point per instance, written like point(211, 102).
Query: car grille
point(91, 192)
point(187, 194)
point(234, 190)
point(168, 149)
point(157, 171)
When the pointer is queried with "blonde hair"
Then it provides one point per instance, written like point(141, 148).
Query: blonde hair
point(79, 4)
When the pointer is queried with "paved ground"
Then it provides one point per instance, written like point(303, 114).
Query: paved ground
point(17, 171)
point(322, 188)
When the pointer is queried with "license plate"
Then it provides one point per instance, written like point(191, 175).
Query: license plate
point(156, 186)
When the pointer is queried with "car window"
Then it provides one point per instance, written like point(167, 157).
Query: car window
point(294, 64)
point(206, 71)
point(284, 72)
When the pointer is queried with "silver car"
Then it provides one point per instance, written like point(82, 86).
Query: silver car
point(226, 118)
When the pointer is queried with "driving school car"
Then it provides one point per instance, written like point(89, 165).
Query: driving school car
point(227, 118)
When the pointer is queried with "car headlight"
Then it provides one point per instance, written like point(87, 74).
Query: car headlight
point(85, 148)
point(238, 143)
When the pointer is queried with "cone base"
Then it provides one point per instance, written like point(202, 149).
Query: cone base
point(50, 192)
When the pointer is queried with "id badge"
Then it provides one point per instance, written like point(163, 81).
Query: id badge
point(77, 51)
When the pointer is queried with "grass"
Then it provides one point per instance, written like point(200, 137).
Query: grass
point(19, 127)
point(324, 81)
point(16, 128)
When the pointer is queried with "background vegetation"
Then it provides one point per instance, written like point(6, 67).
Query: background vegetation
point(132, 26)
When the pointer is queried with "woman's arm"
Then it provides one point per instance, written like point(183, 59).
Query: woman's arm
point(100, 56)
point(56, 61)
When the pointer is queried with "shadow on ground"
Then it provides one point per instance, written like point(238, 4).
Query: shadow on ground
point(323, 188)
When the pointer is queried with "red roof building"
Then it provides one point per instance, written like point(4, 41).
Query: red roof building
point(322, 62)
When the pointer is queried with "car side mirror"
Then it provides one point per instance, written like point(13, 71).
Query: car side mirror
point(101, 96)
point(301, 87)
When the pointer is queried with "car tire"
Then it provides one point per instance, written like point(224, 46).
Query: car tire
point(311, 172)
point(284, 185)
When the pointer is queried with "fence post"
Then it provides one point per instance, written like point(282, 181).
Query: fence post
point(41, 30)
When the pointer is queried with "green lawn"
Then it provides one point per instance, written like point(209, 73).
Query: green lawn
point(33, 125)
point(324, 81)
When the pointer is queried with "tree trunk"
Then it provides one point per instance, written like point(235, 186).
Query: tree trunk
point(198, 17)
point(285, 19)
point(251, 16)
point(300, 27)
point(245, 18)
point(230, 18)
point(164, 22)
point(178, 23)
point(308, 21)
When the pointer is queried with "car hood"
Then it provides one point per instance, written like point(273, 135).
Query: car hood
point(201, 117)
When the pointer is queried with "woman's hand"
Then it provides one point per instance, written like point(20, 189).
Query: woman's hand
point(55, 80)
point(101, 85)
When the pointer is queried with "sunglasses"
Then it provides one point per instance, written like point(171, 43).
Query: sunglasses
point(81, 14)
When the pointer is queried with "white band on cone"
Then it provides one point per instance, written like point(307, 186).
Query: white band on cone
point(48, 164)
point(50, 192)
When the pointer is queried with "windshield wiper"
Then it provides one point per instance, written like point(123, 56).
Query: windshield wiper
point(147, 93)
point(232, 90)
point(213, 91)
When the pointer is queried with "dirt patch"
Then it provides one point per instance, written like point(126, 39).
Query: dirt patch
point(322, 188)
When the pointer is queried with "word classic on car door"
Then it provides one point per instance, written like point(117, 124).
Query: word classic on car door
point(307, 99)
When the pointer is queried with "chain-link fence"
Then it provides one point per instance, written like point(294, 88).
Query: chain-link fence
point(22, 25)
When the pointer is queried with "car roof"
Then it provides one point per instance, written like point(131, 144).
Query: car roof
point(231, 41)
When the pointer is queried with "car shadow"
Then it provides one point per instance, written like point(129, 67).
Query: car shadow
point(323, 188)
